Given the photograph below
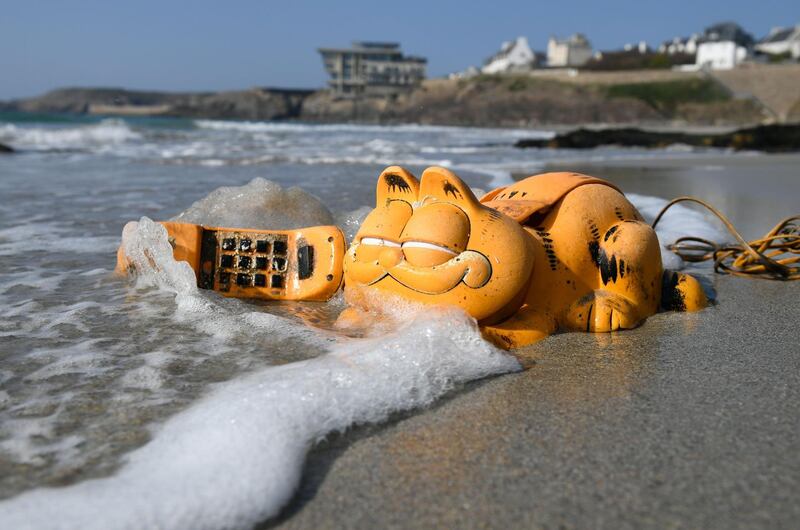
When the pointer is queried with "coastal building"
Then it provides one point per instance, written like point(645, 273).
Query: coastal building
point(467, 73)
point(573, 51)
point(680, 45)
point(781, 41)
point(723, 55)
point(514, 56)
point(640, 47)
point(728, 32)
point(723, 46)
point(372, 68)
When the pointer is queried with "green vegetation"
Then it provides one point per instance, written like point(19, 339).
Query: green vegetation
point(665, 96)
point(658, 61)
point(510, 82)
point(633, 60)
point(488, 78)
point(777, 58)
point(519, 83)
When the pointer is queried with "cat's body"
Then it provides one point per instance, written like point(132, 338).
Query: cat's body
point(568, 252)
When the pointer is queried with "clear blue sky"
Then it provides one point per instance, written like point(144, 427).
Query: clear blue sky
point(204, 45)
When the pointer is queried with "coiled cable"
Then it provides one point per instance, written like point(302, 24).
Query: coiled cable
point(775, 256)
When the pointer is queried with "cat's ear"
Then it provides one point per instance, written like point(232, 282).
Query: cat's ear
point(396, 183)
point(443, 185)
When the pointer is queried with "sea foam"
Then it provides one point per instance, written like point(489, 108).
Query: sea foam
point(678, 222)
point(235, 457)
point(259, 204)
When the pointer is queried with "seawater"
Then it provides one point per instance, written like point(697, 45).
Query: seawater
point(145, 402)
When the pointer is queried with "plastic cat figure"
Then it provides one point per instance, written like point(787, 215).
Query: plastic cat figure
point(553, 251)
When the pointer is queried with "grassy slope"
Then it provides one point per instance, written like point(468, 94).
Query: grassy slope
point(530, 101)
point(667, 96)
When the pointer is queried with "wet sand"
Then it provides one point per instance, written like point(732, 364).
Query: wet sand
point(690, 421)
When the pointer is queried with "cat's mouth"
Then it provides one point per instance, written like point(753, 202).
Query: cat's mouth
point(470, 267)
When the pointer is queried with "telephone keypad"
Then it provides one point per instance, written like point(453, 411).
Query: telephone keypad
point(241, 255)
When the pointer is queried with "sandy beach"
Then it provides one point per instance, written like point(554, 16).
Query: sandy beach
point(689, 421)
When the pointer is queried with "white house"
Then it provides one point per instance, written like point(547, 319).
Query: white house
point(467, 73)
point(679, 45)
point(574, 51)
point(780, 41)
point(514, 56)
point(720, 55)
point(641, 47)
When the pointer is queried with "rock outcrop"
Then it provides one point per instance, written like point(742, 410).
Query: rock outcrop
point(486, 101)
point(253, 104)
point(79, 100)
point(768, 138)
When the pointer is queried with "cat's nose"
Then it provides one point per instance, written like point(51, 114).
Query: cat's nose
point(390, 257)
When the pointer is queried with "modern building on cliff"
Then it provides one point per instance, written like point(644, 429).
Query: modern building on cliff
point(372, 68)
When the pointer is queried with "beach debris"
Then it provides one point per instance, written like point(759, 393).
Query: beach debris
point(553, 251)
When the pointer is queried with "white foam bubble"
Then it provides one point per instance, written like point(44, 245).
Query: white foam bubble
point(259, 204)
point(145, 377)
point(147, 249)
point(79, 358)
point(235, 457)
point(46, 445)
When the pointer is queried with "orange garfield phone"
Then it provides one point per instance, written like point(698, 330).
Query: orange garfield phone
point(302, 264)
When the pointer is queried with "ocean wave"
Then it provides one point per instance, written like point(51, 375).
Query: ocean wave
point(263, 126)
point(108, 132)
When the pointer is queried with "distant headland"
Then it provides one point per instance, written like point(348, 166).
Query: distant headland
point(546, 98)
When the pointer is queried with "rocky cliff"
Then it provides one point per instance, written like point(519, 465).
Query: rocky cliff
point(253, 104)
point(523, 101)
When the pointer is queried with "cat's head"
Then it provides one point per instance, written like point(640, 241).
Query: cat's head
point(433, 242)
